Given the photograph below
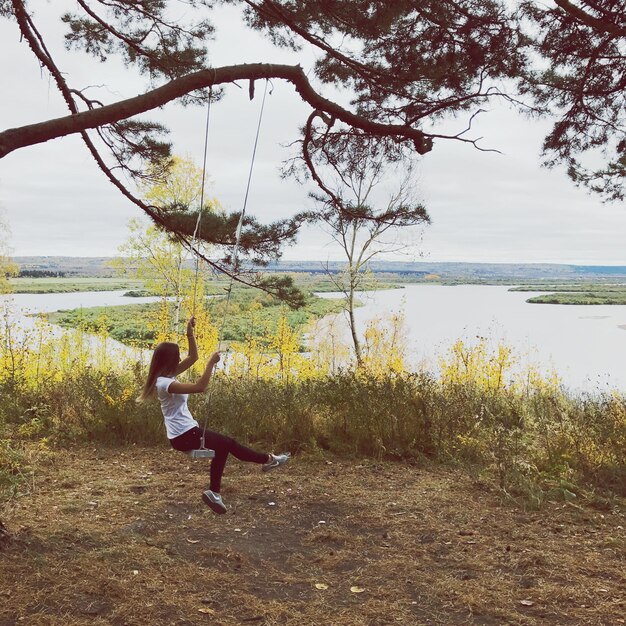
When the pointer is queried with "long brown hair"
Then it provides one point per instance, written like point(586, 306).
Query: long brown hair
point(164, 361)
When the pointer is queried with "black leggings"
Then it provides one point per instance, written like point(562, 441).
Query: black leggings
point(192, 439)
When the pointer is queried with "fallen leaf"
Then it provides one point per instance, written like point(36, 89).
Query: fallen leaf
point(526, 602)
point(193, 540)
point(321, 586)
point(206, 610)
point(357, 589)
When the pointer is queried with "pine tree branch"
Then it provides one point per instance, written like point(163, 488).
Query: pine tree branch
point(599, 24)
point(270, 10)
point(37, 45)
point(15, 138)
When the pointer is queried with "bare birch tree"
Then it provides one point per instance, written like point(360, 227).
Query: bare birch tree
point(363, 222)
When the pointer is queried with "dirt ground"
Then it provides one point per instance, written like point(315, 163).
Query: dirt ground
point(122, 537)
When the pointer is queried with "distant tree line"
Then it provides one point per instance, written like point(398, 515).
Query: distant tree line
point(41, 274)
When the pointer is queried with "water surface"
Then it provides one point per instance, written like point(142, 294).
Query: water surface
point(585, 344)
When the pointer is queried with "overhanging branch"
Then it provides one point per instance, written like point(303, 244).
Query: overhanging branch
point(15, 138)
point(604, 25)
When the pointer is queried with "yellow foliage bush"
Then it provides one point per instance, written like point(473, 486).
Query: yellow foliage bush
point(384, 349)
point(483, 408)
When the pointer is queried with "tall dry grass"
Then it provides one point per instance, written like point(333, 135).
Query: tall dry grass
point(524, 430)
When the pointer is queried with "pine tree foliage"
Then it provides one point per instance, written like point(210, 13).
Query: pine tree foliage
point(260, 243)
point(584, 83)
point(403, 67)
point(143, 33)
point(410, 60)
point(176, 193)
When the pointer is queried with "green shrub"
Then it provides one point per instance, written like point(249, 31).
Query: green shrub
point(532, 443)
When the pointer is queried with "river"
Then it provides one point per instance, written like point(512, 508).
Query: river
point(584, 344)
point(23, 308)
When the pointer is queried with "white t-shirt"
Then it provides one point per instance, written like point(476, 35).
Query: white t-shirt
point(178, 419)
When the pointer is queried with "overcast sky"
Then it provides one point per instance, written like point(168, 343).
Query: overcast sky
point(484, 206)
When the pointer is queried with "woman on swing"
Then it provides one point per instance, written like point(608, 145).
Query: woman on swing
point(183, 431)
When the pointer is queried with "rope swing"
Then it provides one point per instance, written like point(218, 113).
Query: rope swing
point(196, 230)
point(197, 226)
point(203, 452)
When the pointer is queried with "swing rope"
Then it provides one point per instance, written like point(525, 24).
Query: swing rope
point(237, 239)
point(197, 227)
point(241, 217)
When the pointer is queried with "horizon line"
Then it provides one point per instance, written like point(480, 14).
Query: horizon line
point(380, 261)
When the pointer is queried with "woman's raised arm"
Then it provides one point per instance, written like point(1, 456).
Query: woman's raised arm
point(192, 355)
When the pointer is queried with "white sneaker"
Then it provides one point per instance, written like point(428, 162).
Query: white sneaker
point(276, 460)
point(214, 501)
